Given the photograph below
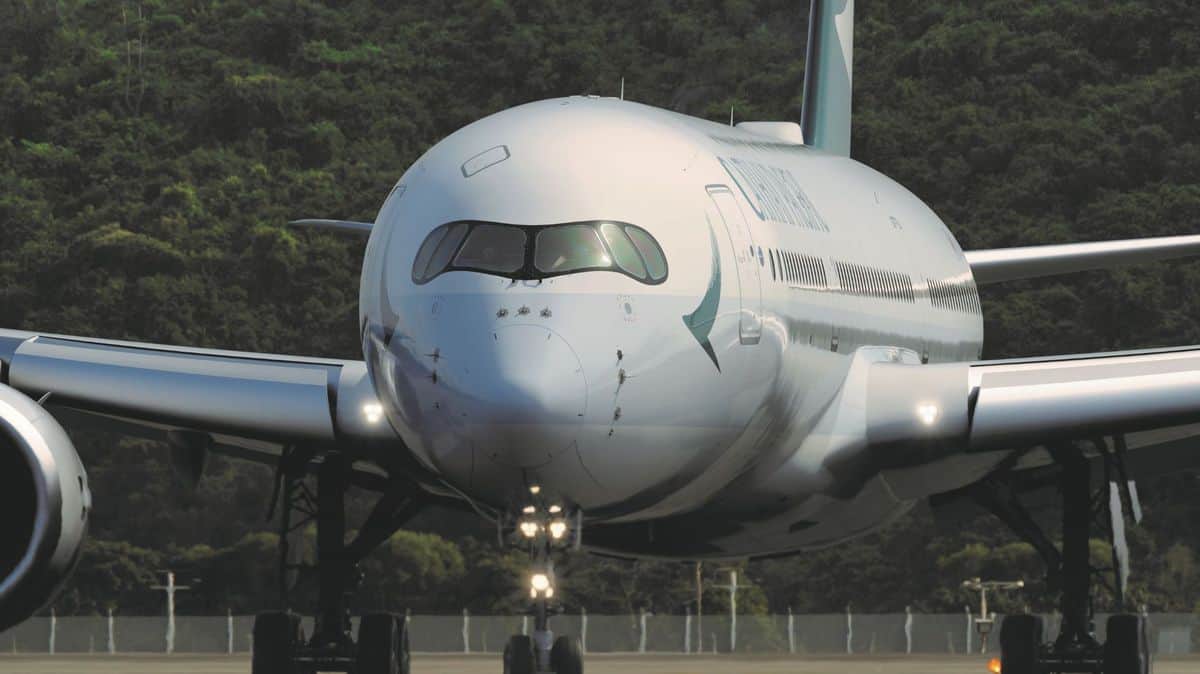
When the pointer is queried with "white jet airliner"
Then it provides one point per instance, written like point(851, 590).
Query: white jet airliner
point(610, 326)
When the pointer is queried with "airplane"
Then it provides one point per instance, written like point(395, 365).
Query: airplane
point(602, 325)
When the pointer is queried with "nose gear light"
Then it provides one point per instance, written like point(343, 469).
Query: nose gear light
point(540, 586)
point(558, 528)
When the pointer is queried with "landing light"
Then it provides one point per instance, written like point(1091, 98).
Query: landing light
point(994, 666)
point(529, 529)
point(928, 413)
point(535, 489)
point(373, 412)
point(540, 582)
point(554, 510)
point(558, 528)
point(529, 510)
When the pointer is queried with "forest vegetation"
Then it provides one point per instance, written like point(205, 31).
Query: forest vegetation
point(151, 152)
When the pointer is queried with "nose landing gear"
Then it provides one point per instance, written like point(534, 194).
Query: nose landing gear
point(542, 653)
point(544, 531)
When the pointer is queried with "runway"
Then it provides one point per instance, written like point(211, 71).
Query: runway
point(596, 664)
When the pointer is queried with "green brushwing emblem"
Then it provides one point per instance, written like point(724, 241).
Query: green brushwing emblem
point(700, 321)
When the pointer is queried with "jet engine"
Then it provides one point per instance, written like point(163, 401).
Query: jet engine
point(45, 497)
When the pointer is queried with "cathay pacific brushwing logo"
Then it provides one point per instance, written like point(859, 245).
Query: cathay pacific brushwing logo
point(700, 322)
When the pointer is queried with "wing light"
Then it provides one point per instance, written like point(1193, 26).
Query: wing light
point(928, 413)
point(373, 412)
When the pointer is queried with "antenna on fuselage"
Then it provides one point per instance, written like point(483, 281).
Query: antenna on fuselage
point(622, 88)
point(731, 113)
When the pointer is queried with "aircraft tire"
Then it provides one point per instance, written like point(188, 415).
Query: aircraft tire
point(566, 657)
point(1127, 650)
point(1020, 641)
point(519, 657)
point(383, 644)
point(276, 636)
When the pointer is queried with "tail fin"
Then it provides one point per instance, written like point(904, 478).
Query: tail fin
point(828, 71)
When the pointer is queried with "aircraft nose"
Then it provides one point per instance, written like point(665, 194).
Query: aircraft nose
point(528, 394)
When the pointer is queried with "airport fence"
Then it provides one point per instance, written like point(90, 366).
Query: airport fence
point(800, 634)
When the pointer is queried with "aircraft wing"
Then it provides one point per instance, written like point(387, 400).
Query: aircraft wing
point(1009, 264)
point(248, 405)
point(1151, 398)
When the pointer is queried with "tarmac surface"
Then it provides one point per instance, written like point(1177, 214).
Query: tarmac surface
point(596, 664)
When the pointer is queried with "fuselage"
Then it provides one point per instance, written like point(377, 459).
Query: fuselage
point(694, 405)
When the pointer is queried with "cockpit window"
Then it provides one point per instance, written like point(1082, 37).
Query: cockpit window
point(625, 255)
point(439, 246)
point(495, 248)
point(569, 248)
point(538, 252)
point(651, 253)
point(430, 244)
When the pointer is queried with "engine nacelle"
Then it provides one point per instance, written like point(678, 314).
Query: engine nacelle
point(46, 503)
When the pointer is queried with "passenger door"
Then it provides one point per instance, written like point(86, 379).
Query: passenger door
point(746, 255)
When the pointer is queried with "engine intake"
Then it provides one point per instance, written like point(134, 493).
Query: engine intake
point(46, 499)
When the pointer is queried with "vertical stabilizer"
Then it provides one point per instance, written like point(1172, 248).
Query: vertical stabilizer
point(828, 71)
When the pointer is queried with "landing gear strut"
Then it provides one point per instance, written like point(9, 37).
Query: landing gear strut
point(1076, 649)
point(279, 643)
point(545, 530)
point(542, 652)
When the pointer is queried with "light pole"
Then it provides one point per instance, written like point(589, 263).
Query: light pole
point(733, 590)
point(170, 588)
point(985, 621)
point(699, 609)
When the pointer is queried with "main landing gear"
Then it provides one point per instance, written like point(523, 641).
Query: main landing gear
point(280, 646)
point(544, 529)
point(1076, 649)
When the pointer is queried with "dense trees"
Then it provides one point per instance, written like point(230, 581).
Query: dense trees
point(150, 152)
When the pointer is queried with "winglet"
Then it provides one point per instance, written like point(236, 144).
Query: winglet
point(343, 225)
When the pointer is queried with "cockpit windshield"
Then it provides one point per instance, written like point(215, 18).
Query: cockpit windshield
point(530, 253)
point(494, 248)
